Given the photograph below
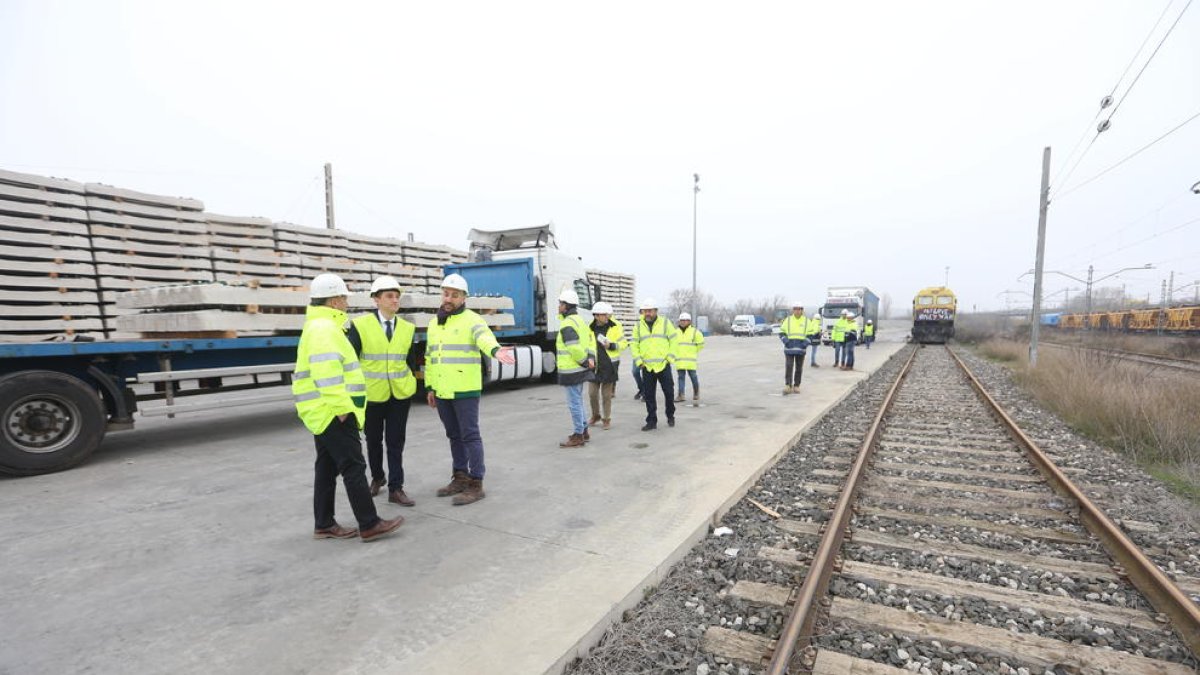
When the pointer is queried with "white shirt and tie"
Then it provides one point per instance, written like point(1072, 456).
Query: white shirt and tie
point(387, 325)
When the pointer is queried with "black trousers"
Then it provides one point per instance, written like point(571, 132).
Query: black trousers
point(387, 421)
point(794, 366)
point(340, 452)
point(662, 379)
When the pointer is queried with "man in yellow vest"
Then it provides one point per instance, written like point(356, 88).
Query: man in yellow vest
point(691, 341)
point(575, 351)
point(814, 337)
point(610, 341)
point(848, 325)
point(793, 333)
point(382, 341)
point(455, 342)
point(869, 333)
point(654, 344)
point(837, 335)
point(330, 394)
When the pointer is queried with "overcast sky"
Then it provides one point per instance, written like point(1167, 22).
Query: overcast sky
point(871, 143)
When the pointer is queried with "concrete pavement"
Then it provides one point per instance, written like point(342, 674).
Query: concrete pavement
point(184, 546)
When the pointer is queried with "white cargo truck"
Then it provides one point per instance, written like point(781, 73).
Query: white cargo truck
point(859, 300)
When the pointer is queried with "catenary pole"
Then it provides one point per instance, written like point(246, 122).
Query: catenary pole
point(329, 195)
point(1043, 206)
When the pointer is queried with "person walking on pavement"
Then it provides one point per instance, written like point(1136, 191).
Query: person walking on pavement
point(849, 340)
point(454, 377)
point(793, 333)
point(331, 395)
point(869, 333)
point(654, 344)
point(575, 350)
point(837, 335)
point(691, 341)
point(610, 341)
point(382, 341)
point(814, 337)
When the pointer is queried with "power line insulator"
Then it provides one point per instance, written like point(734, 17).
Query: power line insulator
point(1103, 126)
point(1105, 102)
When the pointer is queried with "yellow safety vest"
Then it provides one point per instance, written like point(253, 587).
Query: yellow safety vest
point(385, 363)
point(869, 330)
point(691, 341)
point(453, 368)
point(654, 347)
point(794, 328)
point(572, 354)
point(814, 327)
point(616, 340)
point(842, 327)
point(327, 380)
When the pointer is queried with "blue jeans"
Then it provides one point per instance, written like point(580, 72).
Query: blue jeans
point(637, 377)
point(848, 354)
point(460, 416)
point(682, 381)
point(575, 406)
point(813, 344)
point(837, 353)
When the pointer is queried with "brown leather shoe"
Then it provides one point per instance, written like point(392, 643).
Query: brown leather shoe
point(335, 532)
point(381, 528)
point(573, 441)
point(472, 494)
point(458, 483)
point(398, 497)
point(376, 485)
point(607, 424)
point(595, 418)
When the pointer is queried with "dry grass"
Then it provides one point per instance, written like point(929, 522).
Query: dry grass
point(1165, 345)
point(1149, 414)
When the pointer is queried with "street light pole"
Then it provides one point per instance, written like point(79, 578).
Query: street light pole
point(695, 195)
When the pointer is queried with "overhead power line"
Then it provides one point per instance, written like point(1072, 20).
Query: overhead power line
point(1130, 156)
point(1107, 100)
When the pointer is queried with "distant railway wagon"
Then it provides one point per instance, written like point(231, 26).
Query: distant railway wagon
point(1175, 320)
point(933, 315)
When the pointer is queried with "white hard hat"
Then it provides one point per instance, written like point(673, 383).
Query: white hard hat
point(455, 281)
point(816, 315)
point(684, 316)
point(327, 285)
point(649, 303)
point(385, 283)
point(870, 321)
point(797, 303)
point(602, 308)
point(845, 312)
point(850, 316)
point(569, 296)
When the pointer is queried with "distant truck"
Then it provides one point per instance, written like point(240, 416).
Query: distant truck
point(749, 325)
point(861, 302)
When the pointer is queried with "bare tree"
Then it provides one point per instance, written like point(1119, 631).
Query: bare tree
point(680, 300)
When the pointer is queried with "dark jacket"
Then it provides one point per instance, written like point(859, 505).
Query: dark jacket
point(605, 370)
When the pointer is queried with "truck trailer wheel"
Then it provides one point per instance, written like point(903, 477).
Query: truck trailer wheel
point(51, 421)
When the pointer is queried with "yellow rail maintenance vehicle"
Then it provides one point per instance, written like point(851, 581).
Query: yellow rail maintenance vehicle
point(933, 315)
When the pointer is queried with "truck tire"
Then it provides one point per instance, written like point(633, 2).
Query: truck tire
point(51, 422)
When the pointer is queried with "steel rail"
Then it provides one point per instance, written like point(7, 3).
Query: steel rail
point(815, 587)
point(1188, 365)
point(1166, 597)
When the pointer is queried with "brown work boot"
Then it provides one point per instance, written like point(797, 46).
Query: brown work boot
point(787, 390)
point(679, 398)
point(335, 532)
point(376, 484)
point(595, 418)
point(696, 394)
point(398, 497)
point(472, 494)
point(607, 423)
point(573, 441)
point(458, 483)
point(381, 528)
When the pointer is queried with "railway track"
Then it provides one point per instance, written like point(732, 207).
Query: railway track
point(954, 545)
point(1186, 365)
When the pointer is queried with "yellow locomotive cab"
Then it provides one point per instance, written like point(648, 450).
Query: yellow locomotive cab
point(934, 309)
